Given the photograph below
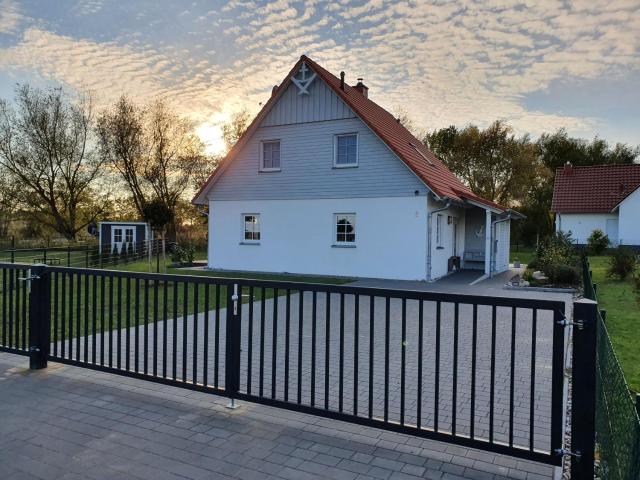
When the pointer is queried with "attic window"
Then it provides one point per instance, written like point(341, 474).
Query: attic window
point(415, 147)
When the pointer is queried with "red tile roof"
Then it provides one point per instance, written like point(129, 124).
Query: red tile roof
point(595, 189)
point(420, 160)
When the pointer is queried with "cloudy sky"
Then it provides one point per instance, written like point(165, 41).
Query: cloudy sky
point(539, 64)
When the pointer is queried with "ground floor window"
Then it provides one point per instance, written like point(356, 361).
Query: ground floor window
point(251, 227)
point(117, 235)
point(345, 228)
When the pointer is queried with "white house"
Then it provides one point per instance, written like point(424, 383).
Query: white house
point(604, 197)
point(327, 182)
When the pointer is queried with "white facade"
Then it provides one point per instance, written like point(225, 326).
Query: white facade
point(298, 237)
point(581, 225)
point(629, 219)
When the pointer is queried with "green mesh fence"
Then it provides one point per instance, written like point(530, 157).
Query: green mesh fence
point(617, 422)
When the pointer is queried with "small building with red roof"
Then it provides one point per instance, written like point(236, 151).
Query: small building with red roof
point(600, 197)
point(327, 182)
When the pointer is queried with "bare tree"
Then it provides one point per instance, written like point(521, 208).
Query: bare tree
point(235, 128)
point(9, 200)
point(47, 145)
point(156, 151)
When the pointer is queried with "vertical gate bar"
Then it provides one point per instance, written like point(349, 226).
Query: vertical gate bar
point(63, 313)
point(205, 359)
point(86, 317)
point(557, 381)
point(10, 307)
point(174, 337)
point(55, 278)
point(287, 320)
point(25, 300)
point(216, 344)
point(145, 330)
point(16, 307)
point(327, 348)
point(155, 327)
point(263, 293)
point(436, 377)
point(371, 344)
point(274, 342)
point(454, 399)
point(4, 308)
point(165, 321)
point(194, 366)
point(119, 326)
point(474, 346)
point(94, 318)
point(356, 350)
point(492, 381)
point(71, 305)
point(420, 347)
point(127, 338)
point(136, 319)
point(78, 315)
point(39, 317)
point(300, 331)
point(233, 341)
point(185, 312)
point(532, 398)
point(341, 357)
point(512, 373)
point(313, 347)
point(249, 341)
point(102, 317)
point(387, 319)
point(112, 280)
point(403, 361)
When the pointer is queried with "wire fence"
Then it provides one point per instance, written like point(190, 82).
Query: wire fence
point(617, 421)
point(150, 252)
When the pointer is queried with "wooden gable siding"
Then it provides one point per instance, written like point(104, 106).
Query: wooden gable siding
point(307, 170)
point(321, 104)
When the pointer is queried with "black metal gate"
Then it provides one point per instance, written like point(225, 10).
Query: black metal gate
point(477, 371)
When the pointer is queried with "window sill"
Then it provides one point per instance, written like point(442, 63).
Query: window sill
point(338, 245)
point(269, 170)
point(249, 243)
point(439, 248)
point(337, 167)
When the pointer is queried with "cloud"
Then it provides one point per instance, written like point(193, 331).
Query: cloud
point(10, 16)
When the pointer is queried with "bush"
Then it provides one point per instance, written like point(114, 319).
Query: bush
point(622, 263)
point(564, 275)
point(183, 255)
point(597, 242)
point(553, 251)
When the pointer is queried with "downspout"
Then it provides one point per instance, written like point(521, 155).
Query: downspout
point(429, 228)
point(493, 229)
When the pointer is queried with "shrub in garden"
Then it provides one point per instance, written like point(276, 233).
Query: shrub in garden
point(555, 250)
point(622, 263)
point(564, 275)
point(597, 242)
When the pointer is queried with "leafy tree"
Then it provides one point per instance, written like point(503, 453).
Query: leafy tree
point(47, 147)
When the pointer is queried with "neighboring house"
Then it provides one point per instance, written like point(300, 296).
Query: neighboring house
point(325, 181)
point(121, 235)
point(604, 197)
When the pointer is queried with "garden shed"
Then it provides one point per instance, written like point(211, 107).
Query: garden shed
point(121, 235)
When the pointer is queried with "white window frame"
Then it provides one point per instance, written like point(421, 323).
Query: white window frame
point(115, 235)
point(335, 150)
point(344, 243)
point(262, 144)
point(244, 240)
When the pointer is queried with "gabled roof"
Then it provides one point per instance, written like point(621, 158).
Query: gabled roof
point(593, 189)
point(417, 157)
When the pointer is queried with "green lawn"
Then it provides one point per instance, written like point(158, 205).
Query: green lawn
point(623, 318)
point(523, 254)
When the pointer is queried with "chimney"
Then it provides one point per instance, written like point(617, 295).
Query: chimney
point(568, 168)
point(274, 90)
point(341, 80)
point(362, 88)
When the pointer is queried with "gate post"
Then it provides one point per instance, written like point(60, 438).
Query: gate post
point(583, 396)
point(232, 354)
point(39, 316)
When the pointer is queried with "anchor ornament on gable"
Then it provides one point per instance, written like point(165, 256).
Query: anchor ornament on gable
point(302, 81)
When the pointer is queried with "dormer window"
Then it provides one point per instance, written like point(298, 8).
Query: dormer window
point(345, 150)
point(270, 156)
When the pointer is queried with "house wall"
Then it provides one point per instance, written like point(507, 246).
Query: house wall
point(502, 238)
point(629, 224)
point(440, 253)
point(320, 105)
point(307, 167)
point(475, 219)
point(581, 225)
point(297, 237)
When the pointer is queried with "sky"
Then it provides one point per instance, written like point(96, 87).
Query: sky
point(539, 65)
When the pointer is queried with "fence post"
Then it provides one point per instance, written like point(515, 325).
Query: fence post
point(583, 396)
point(68, 255)
point(86, 256)
point(39, 317)
point(232, 360)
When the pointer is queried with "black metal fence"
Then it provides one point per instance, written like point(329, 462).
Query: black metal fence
point(617, 425)
point(477, 371)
